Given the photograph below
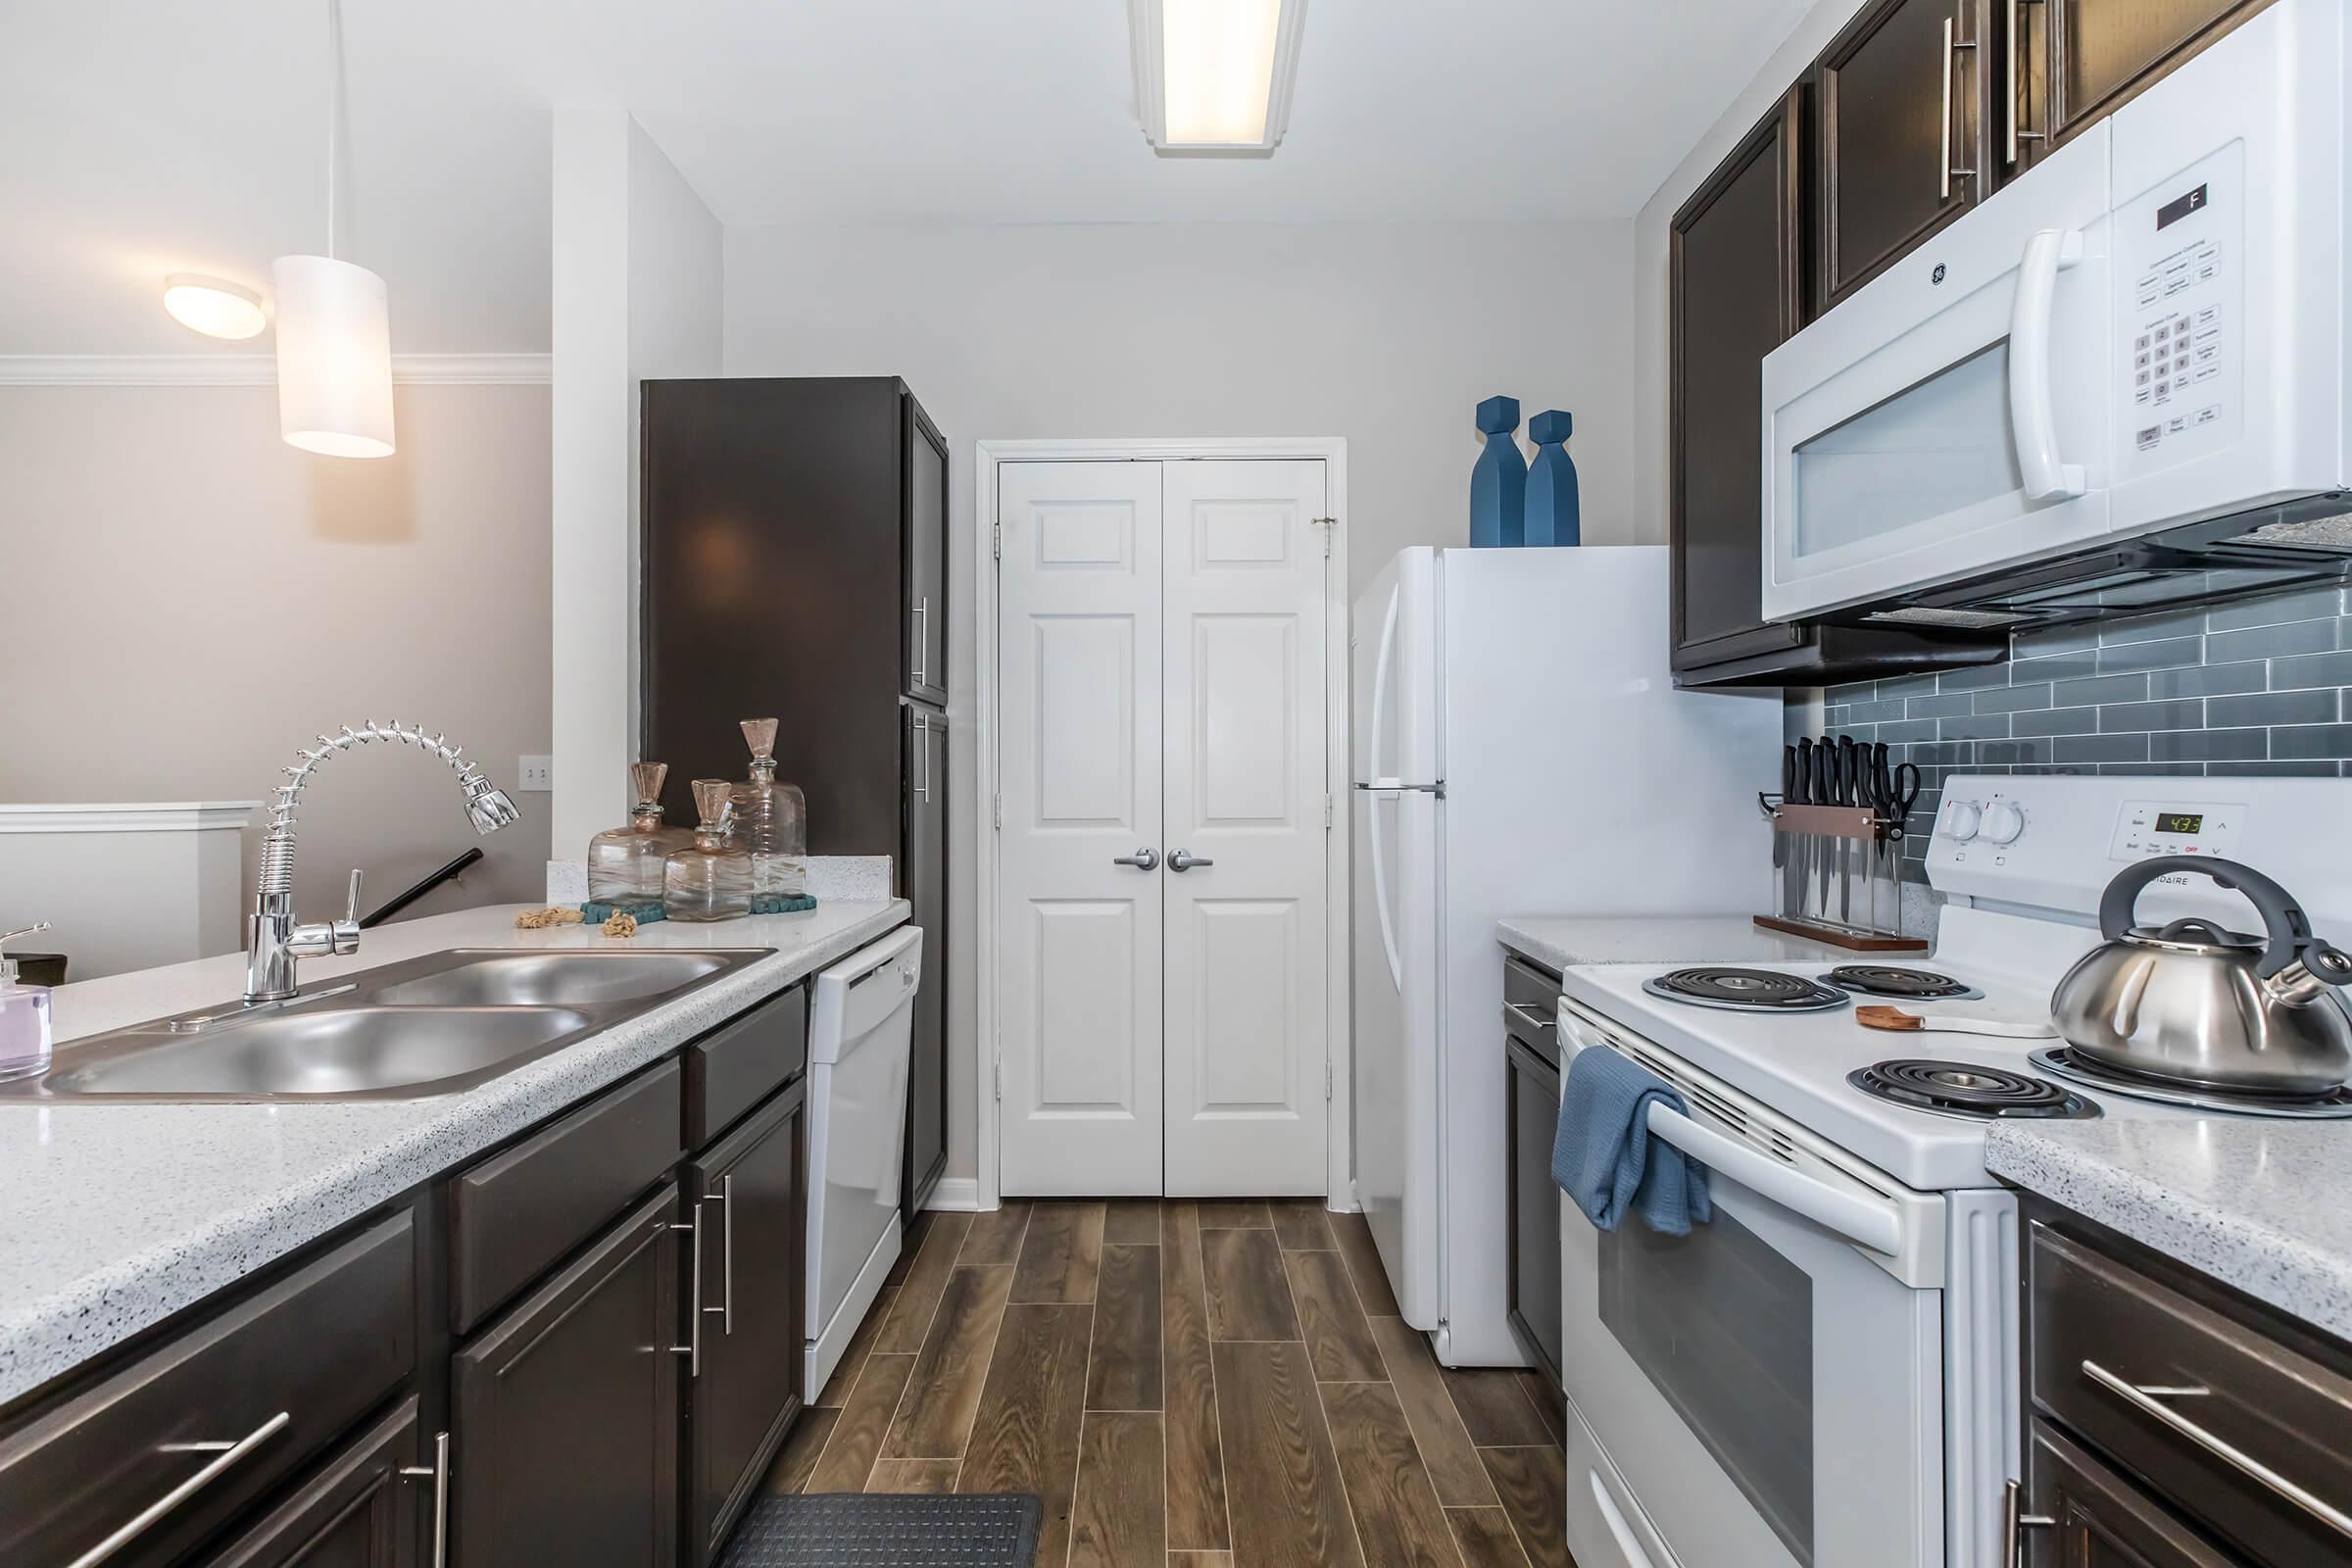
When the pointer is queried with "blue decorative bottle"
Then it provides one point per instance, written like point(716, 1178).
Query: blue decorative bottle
point(1551, 505)
point(1498, 482)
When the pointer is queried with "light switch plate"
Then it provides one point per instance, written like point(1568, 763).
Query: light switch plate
point(535, 773)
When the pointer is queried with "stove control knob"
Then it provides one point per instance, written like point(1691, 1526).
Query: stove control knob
point(2003, 821)
point(1960, 821)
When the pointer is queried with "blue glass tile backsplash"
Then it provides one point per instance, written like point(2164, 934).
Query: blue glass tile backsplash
point(2263, 687)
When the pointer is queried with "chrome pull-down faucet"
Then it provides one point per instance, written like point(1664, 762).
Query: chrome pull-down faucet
point(277, 939)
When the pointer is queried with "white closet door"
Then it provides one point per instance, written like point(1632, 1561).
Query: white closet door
point(1080, 935)
point(1246, 1018)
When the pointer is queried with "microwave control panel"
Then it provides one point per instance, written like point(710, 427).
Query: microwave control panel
point(2179, 255)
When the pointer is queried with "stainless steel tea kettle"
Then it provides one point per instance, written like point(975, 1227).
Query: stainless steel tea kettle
point(2193, 1003)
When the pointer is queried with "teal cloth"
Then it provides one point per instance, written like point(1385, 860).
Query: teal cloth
point(597, 912)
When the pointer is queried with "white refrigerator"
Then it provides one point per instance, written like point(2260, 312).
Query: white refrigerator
point(1519, 748)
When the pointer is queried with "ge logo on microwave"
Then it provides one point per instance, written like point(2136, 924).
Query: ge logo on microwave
point(1936, 276)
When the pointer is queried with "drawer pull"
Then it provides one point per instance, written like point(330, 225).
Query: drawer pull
point(2145, 1400)
point(145, 1519)
point(1534, 1020)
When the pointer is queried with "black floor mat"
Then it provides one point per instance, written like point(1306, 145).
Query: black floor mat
point(853, 1530)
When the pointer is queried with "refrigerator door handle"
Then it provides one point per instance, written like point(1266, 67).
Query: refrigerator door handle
point(1380, 884)
point(1381, 665)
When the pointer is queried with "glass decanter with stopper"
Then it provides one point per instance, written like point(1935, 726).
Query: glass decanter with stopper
point(771, 820)
point(708, 879)
point(625, 863)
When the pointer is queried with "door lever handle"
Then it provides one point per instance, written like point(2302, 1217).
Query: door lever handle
point(1146, 858)
point(1180, 860)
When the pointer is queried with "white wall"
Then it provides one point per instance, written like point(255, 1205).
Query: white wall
point(637, 266)
point(1790, 61)
point(190, 601)
point(1387, 334)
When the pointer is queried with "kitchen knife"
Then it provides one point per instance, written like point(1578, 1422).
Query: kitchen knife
point(1825, 792)
point(1849, 767)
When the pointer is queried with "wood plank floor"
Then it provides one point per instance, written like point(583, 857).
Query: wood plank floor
point(1186, 1385)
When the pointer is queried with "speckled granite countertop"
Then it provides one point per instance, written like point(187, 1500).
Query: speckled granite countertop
point(115, 1216)
point(2257, 1204)
point(1558, 941)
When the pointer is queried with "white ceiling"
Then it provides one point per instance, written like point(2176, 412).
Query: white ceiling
point(147, 136)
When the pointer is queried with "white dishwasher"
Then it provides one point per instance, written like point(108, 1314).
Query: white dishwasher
point(861, 1019)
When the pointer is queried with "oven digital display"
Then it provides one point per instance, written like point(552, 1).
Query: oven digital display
point(2179, 822)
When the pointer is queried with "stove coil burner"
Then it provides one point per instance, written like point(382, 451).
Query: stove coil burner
point(1965, 1089)
point(1891, 980)
point(2334, 1105)
point(1745, 990)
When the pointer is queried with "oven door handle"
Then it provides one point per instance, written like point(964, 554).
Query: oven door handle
point(2033, 420)
point(1857, 1219)
point(1619, 1531)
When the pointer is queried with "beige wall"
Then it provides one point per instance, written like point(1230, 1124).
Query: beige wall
point(188, 600)
point(1387, 334)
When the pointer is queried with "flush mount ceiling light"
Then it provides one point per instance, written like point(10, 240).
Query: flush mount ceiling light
point(334, 334)
point(1215, 76)
point(213, 306)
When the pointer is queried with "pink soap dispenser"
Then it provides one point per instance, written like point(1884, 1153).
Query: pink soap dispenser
point(24, 1017)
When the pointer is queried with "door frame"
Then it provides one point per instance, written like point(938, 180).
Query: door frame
point(1331, 451)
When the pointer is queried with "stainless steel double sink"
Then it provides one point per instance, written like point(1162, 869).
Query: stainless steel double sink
point(433, 1025)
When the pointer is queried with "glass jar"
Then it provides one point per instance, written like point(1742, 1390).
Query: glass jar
point(625, 863)
point(771, 820)
point(708, 879)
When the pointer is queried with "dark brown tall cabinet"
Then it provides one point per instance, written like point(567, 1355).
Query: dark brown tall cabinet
point(794, 559)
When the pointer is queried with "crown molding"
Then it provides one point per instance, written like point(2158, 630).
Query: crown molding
point(169, 816)
point(261, 369)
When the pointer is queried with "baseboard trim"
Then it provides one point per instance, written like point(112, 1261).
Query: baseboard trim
point(956, 1195)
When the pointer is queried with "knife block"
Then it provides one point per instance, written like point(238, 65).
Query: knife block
point(1836, 877)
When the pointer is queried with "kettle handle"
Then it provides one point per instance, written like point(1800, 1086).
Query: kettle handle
point(2286, 928)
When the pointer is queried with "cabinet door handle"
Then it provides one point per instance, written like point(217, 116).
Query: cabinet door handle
point(438, 1473)
point(225, 1456)
point(726, 1264)
point(2017, 48)
point(1951, 51)
point(923, 641)
point(692, 1349)
point(2146, 1401)
point(2014, 1522)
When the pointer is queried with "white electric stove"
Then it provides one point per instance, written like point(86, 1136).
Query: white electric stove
point(1827, 1375)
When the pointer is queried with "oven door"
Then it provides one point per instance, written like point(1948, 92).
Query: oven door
point(1954, 415)
point(1769, 1391)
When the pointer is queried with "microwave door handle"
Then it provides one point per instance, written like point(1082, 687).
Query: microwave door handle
point(2032, 419)
point(1857, 1219)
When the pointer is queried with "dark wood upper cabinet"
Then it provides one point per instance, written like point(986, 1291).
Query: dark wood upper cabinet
point(1737, 290)
point(2069, 62)
point(925, 530)
point(1903, 100)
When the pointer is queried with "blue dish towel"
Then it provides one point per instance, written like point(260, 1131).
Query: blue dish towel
point(1605, 1157)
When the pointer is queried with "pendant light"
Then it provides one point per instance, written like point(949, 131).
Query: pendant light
point(334, 334)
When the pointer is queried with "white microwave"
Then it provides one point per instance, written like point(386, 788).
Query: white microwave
point(2120, 383)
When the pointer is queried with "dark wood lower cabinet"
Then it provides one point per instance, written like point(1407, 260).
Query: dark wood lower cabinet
point(2099, 1520)
point(566, 1412)
point(357, 1510)
point(747, 1393)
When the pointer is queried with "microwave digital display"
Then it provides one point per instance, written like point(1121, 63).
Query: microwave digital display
point(2179, 822)
point(2180, 207)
